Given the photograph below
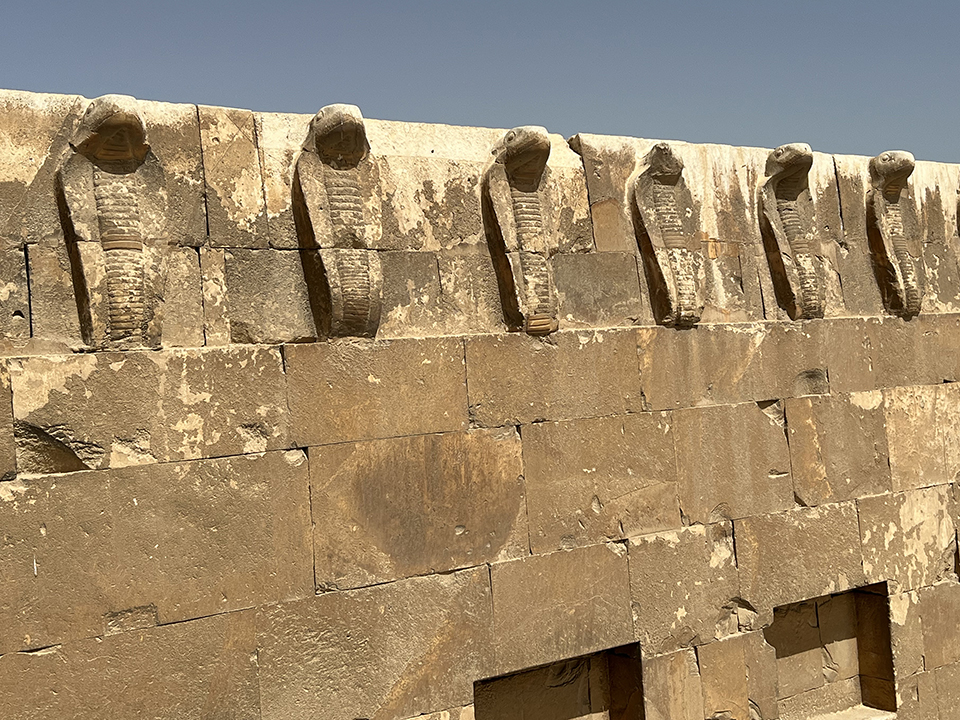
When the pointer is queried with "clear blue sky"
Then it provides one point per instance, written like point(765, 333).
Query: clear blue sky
point(850, 77)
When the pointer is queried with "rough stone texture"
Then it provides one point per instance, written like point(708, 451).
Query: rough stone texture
point(908, 538)
point(671, 687)
point(166, 542)
point(732, 462)
point(684, 587)
point(8, 445)
point(838, 447)
point(216, 328)
point(117, 409)
point(354, 390)
point(183, 303)
point(598, 290)
point(187, 671)
point(390, 651)
point(395, 508)
point(15, 311)
point(412, 302)
point(469, 291)
point(279, 137)
point(584, 606)
point(236, 216)
point(922, 432)
point(599, 479)
point(515, 379)
point(723, 676)
point(939, 605)
point(799, 554)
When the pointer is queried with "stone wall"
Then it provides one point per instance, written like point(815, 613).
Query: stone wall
point(610, 467)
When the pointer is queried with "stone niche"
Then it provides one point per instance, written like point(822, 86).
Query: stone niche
point(834, 656)
point(602, 686)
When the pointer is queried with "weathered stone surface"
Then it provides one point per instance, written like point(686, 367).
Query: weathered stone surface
point(908, 538)
point(906, 634)
point(469, 290)
point(934, 186)
point(412, 304)
point(717, 364)
point(516, 379)
point(684, 587)
point(917, 697)
point(352, 390)
point(216, 327)
point(599, 290)
point(947, 691)
point(845, 636)
point(266, 297)
point(183, 299)
point(671, 687)
point(117, 409)
point(236, 216)
point(396, 650)
point(599, 479)
point(838, 447)
point(15, 310)
point(939, 606)
point(795, 636)
point(583, 606)
point(388, 509)
point(173, 541)
point(831, 698)
point(803, 553)
point(279, 138)
point(732, 462)
point(921, 424)
point(762, 677)
point(186, 671)
point(723, 676)
point(8, 446)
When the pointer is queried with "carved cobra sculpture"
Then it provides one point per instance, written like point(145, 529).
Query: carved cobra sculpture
point(789, 234)
point(520, 241)
point(887, 206)
point(334, 191)
point(668, 242)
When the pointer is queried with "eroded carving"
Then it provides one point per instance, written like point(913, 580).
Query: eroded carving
point(517, 231)
point(337, 211)
point(667, 225)
point(789, 232)
point(893, 231)
point(112, 198)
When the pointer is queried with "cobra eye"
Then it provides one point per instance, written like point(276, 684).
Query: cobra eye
point(511, 136)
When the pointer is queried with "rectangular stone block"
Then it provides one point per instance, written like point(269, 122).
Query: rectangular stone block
point(583, 606)
point(348, 390)
point(733, 462)
point(838, 447)
point(844, 637)
point(164, 543)
point(906, 633)
point(469, 291)
point(914, 437)
point(723, 676)
point(939, 608)
point(236, 215)
point(279, 138)
point(389, 651)
point(15, 310)
point(216, 328)
point(842, 697)
point(917, 697)
point(183, 299)
point(8, 446)
point(388, 509)
point(599, 479)
point(684, 587)
point(599, 290)
point(795, 636)
point(187, 671)
point(76, 412)
point(671, 687)
point(947, 680)
point(799, 554)
point(516, 379)
point(908, 538)
point(412, 302)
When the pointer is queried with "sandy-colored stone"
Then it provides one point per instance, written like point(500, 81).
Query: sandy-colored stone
point(916, 446)
point(672, 688)
point(948, 691)
point(917, 697)
point(583, 606)
point(389, 509)
point(173, 541)
point(412, 304)
point(723, 676)
point(183, 299)
point(732, 462)
point(517, 379)
point(8, 446)
point(908, 538)
point(841, 636)
point(395, 650)
point(216, 328)
point(355, 390)
point(117, 409)
point(53, 303)
point(236, 216)
point(838, 447)
point(15, 311)
point(279, 139)
point(187, 671)
point(469, 291)
point(830, 698)
point(906, 633)
point(599, 290)
point(684, 587)
point(795, 636)
point(939, 606)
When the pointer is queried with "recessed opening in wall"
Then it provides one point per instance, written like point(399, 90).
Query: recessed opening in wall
point(833, 655)
point(603, 686)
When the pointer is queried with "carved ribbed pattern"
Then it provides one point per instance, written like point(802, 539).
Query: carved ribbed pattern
point(118, 214)
point(526, 213)
point(354, 271)
point(908, 273)
point(797, 239)
point(536, 276)
point(683, 266)
point(345, 203)
point(668, 215)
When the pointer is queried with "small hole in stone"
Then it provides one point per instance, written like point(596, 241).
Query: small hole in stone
point(18, 314)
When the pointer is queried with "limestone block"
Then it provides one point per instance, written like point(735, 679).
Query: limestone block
point(35, 131)
point(874, 649)
point(216, 328)
point(917, 697)
point(132, 547)
point(935, 188)
point(732, 462)
point(266, 297)
point(831, 698)
point(469, 292)
point(803, 553)
point(723, 676)
point(117, 409)
point(53, 305)
point(720, 364)
point(412, 303)
point(908, 538)
point(236, 216)
point(389, 651)
point(838, 446)
point(599, 479)
point(948, 427)
point(517, 379)
point(846, 637)
point(388, 509)
point(183, 299)
point(795, 635)
point(762, 677)
point(914, 435)
point(948, 691)
point(373, 390)
point(939, 606)
point(684, 587)
point(583, 606)
point(906, 634)
point(599, 290)
point(8, 446)
point(15, 310)
point(185, 671)
point(279, 137)
point(671, 687)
